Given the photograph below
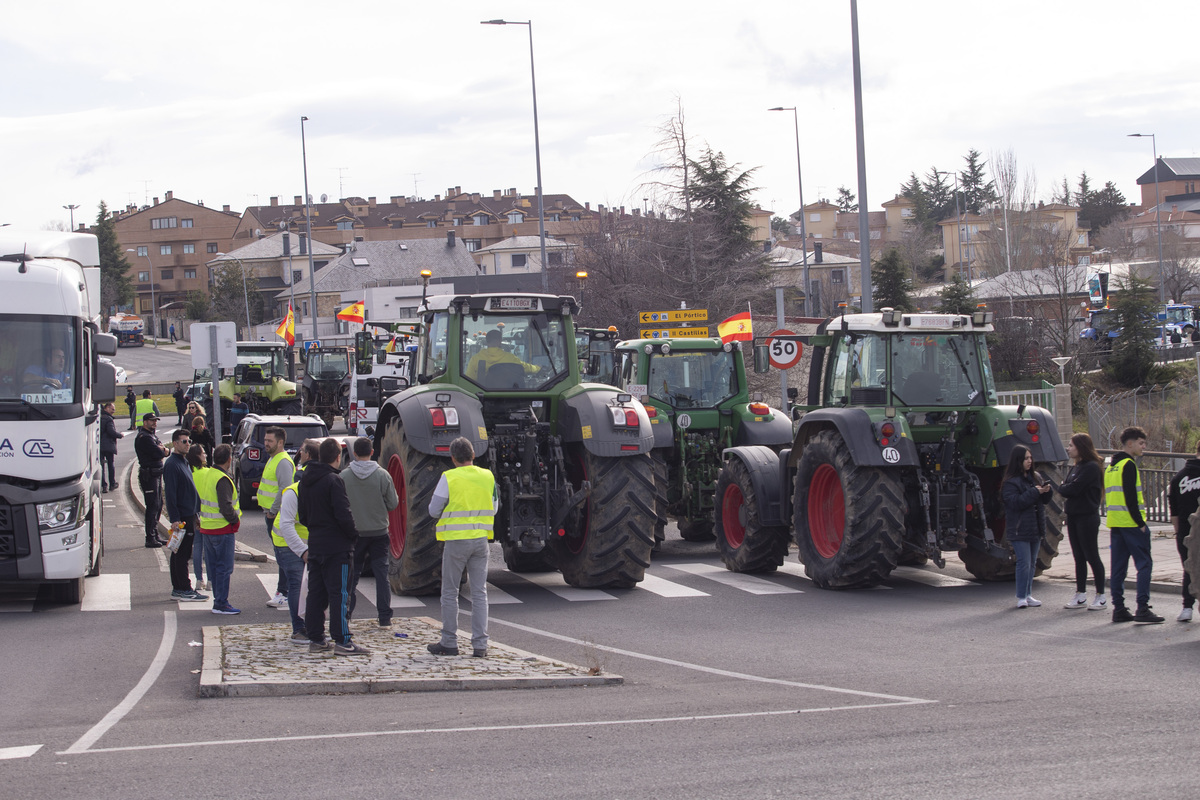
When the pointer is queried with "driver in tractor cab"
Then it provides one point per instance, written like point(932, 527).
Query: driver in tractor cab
point(492, 354)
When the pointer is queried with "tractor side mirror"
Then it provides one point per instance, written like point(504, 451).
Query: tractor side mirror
point(762, 358)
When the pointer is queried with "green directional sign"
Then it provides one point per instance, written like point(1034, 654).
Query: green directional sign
point(680, 315)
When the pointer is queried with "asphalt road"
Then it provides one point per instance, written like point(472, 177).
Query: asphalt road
point(912, 690)
point(150, 364)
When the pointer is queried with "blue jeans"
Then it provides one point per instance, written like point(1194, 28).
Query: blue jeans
point(218, 552)
point(1027, 553)
point(1127, 542)
point(291, 566)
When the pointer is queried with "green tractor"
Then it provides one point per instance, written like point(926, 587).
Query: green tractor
point(260, 377)
point(898, 456)
point(695, 391)
point(327, 382)
point(571, 458)
point(597, 356)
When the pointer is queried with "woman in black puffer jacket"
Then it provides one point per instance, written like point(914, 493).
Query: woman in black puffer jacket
point(1025, 493)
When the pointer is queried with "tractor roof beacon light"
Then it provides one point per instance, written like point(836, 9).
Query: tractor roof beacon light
point(425, 276)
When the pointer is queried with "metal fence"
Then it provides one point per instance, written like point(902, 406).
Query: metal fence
point(1040, 394)
point(1167, 412)
point(1156, 470)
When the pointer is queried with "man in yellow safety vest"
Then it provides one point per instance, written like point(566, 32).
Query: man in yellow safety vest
point(1129, 533)
point(279, 472)
point(291, 542)
point(220, 519)
point(464, 503)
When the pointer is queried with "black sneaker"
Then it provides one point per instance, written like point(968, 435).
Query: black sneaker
point(1121, 614)
point(322, 646)
point(351, 649)
point(479, 652)
point(438, 650)
point(1144, 614)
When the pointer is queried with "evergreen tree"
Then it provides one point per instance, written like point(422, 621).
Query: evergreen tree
point(1104, 207)
point(957, 297)
point(1084, 193)
point(846, 201)
point(781, 226)
point(116, 287)
point(890, 282)
point(977, 192)
point(198, 305)
point(230, 295)
point(1135, 304)
point(720, 201)
point(1063, 194)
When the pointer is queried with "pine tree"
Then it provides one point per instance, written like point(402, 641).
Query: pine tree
point(977, 192)
point(116, 287)
point(957, 297)
point(890, 282)
point(846, 201)
point(1084, 194)
point(1133, 355)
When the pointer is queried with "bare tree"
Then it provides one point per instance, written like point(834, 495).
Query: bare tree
point(1007, 243)
point(1181, 265)
point(1117, 242)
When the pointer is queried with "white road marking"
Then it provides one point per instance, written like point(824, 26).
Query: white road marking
point(26, 751)
point(495, 595)
point(746, 583)
point(555, 583)
point(109, 592)
point(929, 577)
point(366, 587)
point(160, 553)
point(665, 588)
point(135, 694)
point(796, 569)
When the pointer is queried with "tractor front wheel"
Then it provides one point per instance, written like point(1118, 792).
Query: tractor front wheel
point(744, 543)
point(415, 554)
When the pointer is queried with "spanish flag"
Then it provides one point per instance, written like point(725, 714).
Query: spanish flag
point(287, 329)
point(352, 313)
point(736, 329)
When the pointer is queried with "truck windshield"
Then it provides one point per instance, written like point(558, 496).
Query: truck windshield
point(692, 380)
point(38, 359)
point(328, 364)
point(940, 370)
point(507, 352)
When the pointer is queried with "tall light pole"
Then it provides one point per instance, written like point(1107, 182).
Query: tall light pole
point(312, 276)
point(864, 225)
point(153, 305)
point(957, 219)
point(72, 208)
point(245, 295)
point(800, 182)
point(1162, 279)
point(537, 147)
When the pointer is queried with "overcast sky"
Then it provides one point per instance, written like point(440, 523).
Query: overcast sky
point(124, 101)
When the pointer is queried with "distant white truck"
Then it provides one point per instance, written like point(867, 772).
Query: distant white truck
point(129, 329)
point(52, 383)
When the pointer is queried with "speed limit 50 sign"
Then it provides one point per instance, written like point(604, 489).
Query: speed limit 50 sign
point(784, 353)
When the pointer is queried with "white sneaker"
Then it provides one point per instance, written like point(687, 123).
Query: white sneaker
point(1033, 601)
point(1078, 601)
point(1022, 602)
point(1099, 604)
point(1185, 615)
point(278, 601)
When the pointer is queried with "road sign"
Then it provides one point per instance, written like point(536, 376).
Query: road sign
point(311, 343)
point(682, 315)
point(678, 333)
point(784, 353)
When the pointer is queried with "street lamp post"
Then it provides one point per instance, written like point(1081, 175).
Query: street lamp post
point(1162, 278)
point(957, 219)
point(72, 208)
point(312, 277)
point(537, 147)
point(153, 305)
point(800, 182)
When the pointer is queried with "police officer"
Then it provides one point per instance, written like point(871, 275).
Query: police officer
point(150, 454)
point(1130, 535)
point(279, 472)
point(464, 503)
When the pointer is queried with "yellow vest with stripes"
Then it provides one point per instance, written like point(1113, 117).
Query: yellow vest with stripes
point(206, 481)
point(145, 405)
point(1118, 515)
point(268, 484)
point(469, 513)
point(301, 531)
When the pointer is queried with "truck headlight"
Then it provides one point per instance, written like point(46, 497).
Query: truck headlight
point(60, 514)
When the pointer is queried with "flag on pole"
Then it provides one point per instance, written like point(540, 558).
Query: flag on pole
point(736, 329)
point(287, 328)
point(355, 312)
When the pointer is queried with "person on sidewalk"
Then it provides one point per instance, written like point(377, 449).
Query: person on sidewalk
point(180, 402)
point(131, 401)
point(220, 519)
point(192, 411)
point(279, 472)
point(372, 495)
point(291, 542)
point(172, 333)
point(1025, 494)
point(1129, 533)
point(198, 460)
point(1183, 498)
point(464, 503)
point(108, 448)
point(1083, 490)
point(325, 511)
point(183, 505)
point(150, 454)
point(202, 436)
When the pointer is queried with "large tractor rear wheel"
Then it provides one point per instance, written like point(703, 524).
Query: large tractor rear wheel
point(607, 543)
point(989, 568)
point(744, 543)
point(415, 554)
point(848, 519)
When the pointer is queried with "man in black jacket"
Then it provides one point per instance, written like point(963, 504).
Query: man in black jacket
point(108, 448)
point(150, 454)
point(324, 510)
point(183, 506)
point(131, 401)
point(180, 400)
point(1183, 497)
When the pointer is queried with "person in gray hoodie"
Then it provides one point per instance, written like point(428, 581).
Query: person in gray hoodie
point(371, 496)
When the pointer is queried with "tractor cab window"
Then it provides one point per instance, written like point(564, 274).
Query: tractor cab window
point(328, 364)
point(692, 380)
point(859, 363)
point(940, 370)
point(259, 365)
point(628, 369)
point(513, 352)
point(433, 359)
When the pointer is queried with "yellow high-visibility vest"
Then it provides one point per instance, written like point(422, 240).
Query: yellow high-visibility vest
point(469, 514)
point(144, 406)
point(300, 529)
point(206, 481)
point(1118, 515)
point(268, 484)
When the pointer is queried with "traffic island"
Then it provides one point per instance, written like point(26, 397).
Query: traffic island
point(260, 661)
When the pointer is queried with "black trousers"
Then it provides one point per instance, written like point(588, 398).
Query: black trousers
point(1189, 600)
point(152, 493)
point(181, 579)
point(373, 550)
point(1083, 531)
point(328, 586)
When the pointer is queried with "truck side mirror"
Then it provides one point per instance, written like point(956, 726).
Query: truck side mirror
point(105, 344)
point(104, 383)
point(762, 358)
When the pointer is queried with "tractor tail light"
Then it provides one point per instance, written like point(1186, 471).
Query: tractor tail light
point(438, 416)
point(888, 430)
point(760, 409)
point(651, 412)
point(1032, 427)
point(631, 418)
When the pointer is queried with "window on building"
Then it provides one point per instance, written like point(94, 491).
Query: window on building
point(515, 217)
point(189, 273)
point(472, 244)
point(167, 274)
point(457, 222)
point(431, 223)
point(345, 225)
point(814, 217)
point(185, 223)
point(875, 234)
point(212, 247)
point(907, 213)
point(163, 222)
point(297, 276)
point(837, 276)
point(143, 251)
point(554, 217)
point(554, 259)
point(519, 260)
point(481, 219)
point(164, 249)
point(189, 248)
point(143, 277)
point(574, 218)
point(304, 307)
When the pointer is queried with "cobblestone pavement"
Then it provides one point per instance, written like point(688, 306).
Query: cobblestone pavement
point(258, 660)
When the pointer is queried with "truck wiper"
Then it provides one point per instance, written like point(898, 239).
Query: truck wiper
point(26, 405)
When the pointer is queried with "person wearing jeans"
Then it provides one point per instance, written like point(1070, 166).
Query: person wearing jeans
point(1129, 534)
point(220, 519)
point(1025, 494)
point(372, 495)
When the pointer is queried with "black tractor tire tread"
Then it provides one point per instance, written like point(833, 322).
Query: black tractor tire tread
point(764, 547)
point(418, 571)
point(661, 480)
point(876, 506)
point(697, 530)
